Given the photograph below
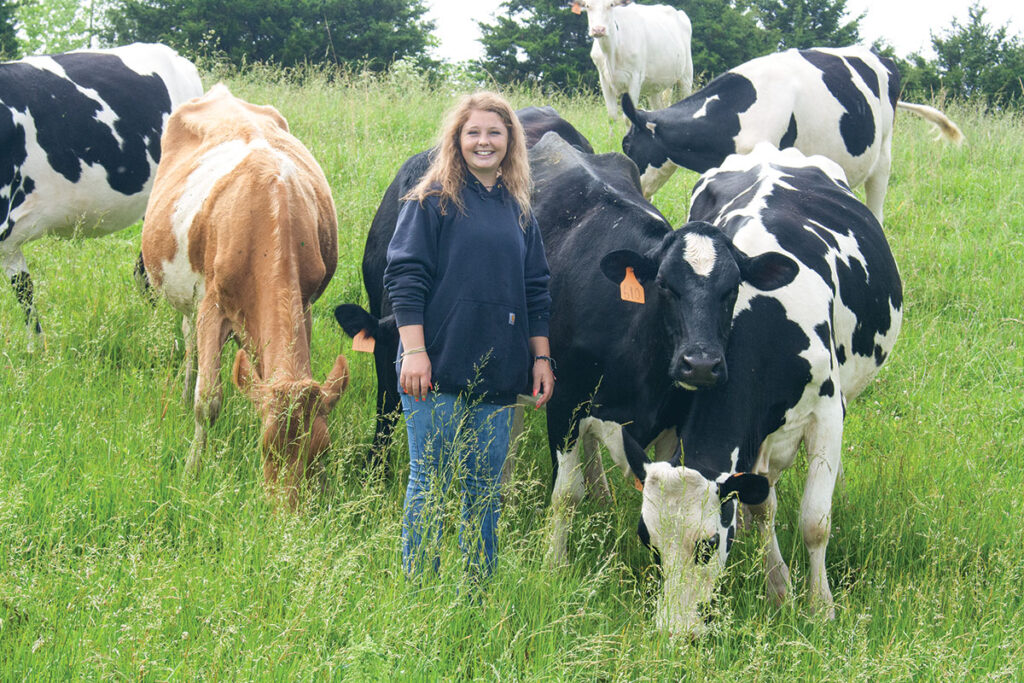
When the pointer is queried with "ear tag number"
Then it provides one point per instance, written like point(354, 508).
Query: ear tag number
point(576, 9)
point(363, 342)
point(630, 289)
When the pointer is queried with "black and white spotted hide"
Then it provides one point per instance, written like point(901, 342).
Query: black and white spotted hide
point(79, 144)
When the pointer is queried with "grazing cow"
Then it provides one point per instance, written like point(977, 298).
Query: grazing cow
point(639, 50)
point(795, 357)
point(623, 367)
point(379, 324)
point(79, 145)
point(241, 237)
point(835, 102)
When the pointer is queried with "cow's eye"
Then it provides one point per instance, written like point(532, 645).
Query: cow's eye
point(705, 549)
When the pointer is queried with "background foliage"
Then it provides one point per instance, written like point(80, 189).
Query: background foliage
point(285, 32)
point(536, 42)
point(9, 47)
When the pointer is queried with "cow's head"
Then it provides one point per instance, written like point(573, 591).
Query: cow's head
point(645, 148)
point(599, 15)
point(294, 415)
point(690, 521)
point(691, 281)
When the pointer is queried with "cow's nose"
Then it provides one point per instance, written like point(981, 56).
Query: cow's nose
point(598, 32)
point(702, 370)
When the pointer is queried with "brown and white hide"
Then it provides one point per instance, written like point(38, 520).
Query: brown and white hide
point(240, 235)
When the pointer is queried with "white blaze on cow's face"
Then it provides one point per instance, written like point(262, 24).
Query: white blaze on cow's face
point(700, 254)
point(682, 512)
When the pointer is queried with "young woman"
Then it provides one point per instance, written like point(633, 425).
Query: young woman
point(468, 283)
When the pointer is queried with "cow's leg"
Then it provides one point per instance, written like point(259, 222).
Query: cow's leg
point(775, 570)
point(611, 100)
point(212, 330)
point(16, 269)
point(188, 366)
point(777, 454)
point(565, 496)
point(661, 99)
point(877, 184)
point(824, 446)
point(592, 432)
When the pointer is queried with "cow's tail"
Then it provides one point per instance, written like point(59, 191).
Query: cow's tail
point(947, 128)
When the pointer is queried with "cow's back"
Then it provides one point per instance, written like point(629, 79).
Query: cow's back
point(235, 198)
point(811, 93)
point(81, 136)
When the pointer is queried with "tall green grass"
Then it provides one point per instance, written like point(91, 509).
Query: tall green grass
point(113, 565)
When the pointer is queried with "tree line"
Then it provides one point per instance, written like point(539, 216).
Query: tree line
point(532, 41)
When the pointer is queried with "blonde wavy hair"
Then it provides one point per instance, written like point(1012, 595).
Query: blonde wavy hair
point(447, 173)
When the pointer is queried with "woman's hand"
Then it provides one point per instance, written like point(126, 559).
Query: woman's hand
point(543, 380)
point(415, 377)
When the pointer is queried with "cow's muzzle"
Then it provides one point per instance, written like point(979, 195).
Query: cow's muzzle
point(700, 370)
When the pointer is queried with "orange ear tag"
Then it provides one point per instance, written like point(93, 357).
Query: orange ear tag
point(630, 289)
point(637, 484)
point(363, 342)
point(576, 9)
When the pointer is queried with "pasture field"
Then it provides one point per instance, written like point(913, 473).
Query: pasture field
point(114, 566)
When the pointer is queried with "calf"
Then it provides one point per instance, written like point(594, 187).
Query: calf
point(241, 237)
point(838, 103)
point(639, 50)
point(379, 323)
point(79, 145)
point(795, 358)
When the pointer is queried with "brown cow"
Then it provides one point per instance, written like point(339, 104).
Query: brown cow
point(241, 237)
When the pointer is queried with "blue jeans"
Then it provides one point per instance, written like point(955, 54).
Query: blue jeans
point(452, 436)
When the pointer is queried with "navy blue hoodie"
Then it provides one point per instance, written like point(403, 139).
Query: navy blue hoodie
point(478, 283)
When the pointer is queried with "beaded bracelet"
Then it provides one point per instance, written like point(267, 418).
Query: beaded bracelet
point(549, 359)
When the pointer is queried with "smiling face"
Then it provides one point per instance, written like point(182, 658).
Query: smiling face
point(484, 142)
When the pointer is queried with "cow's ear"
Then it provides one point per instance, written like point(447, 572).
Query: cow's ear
point(636, 116)
point(353, 319)
point(614, 265)
point(767, 271)
point(244, 375)
point(750, 488)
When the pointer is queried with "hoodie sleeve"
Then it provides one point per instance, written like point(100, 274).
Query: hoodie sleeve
point(538, 298)
point(412, 261)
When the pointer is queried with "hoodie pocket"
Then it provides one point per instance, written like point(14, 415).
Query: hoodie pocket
point(483, 346)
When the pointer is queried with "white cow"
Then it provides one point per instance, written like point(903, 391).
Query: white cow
point(640, 50)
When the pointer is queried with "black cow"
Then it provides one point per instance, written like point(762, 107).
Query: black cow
point(836, 102)
point(379, 324)
point(796, 356)
point(79, 144)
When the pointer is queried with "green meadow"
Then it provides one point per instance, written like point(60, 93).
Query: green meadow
point(114, 565)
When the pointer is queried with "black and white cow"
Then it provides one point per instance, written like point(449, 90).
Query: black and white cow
point(379, 323)
point(79, 144)
point(839, 103)
point(795, 357)
point(624, 368)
